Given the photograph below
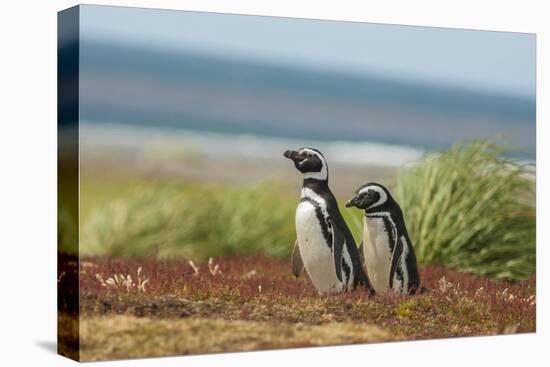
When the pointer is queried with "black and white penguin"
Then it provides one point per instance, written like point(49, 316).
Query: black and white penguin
point(324, 244)
point(387, 249)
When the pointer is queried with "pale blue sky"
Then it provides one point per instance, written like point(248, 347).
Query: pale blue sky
point(480, 60)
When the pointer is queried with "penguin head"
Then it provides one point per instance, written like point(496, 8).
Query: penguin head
point(310, 162)
point(369, 196)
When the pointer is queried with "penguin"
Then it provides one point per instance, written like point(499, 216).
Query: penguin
point(324, 246)
point(387, 250)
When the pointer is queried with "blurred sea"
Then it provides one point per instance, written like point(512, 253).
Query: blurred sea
point(228, 107)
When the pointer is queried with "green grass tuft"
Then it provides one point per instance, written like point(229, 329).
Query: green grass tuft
point(470, 209)
point(191, 221)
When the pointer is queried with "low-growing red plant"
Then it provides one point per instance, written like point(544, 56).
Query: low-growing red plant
point(263, 288)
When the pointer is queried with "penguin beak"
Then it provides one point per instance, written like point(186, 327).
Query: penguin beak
point(351, 202)
point(291, 154)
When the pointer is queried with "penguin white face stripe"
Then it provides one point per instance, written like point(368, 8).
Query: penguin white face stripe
point(321, 175)
point(383, 196)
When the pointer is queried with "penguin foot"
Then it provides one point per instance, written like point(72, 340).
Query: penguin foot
point(369, 290)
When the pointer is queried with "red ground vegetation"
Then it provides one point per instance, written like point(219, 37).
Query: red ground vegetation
point(261, 288)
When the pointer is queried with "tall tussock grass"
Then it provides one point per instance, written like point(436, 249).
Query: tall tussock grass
point(469, 208)
point(191, 221)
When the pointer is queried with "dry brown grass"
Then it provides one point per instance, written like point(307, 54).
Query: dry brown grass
point(117, 337)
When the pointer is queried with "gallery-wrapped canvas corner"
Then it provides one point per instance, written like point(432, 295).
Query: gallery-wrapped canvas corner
point(236, 183)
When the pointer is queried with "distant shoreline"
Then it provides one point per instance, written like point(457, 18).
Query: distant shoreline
point(126, 139)
point(119, 152)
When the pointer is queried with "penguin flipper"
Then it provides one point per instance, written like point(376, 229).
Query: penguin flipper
point(296, 262)
point(337, 249)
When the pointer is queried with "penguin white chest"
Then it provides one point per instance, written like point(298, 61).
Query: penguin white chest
point(316, 254)
point(377, 253)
